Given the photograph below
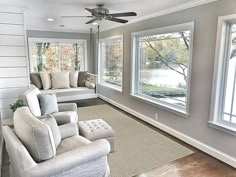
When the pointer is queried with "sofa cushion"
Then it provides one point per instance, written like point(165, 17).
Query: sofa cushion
point(74, 78)
point(90, 84)
point(69, 91)
point(36, 80)
point(51, 122)
point(48, 103)
point(46, 80)
point(71, 143)
point(82, 78)
point(30, 98)
point(34, 134)
point(60, 80)
point(65, 117)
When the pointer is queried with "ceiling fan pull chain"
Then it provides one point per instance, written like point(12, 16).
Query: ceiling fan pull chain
point(98, 37)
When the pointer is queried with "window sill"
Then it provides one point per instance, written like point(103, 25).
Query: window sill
point(162, 106)
point(225, 128)
point(110, 86)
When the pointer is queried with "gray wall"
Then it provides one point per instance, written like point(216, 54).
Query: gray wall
point(205, 18)
point(67, 35)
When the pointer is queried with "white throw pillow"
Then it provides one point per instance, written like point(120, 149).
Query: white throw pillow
point(60, 80)
point(74, 78)
point(46, 80)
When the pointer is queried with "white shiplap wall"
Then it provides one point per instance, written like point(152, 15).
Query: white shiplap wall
point(13, 59)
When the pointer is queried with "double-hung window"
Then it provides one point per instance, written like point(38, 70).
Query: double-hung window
point(161, 66)
point(223, 112)
point(111, 62)
point(52, 55)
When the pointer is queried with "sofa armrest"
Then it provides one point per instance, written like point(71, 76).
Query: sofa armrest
point(67, 161)
point(68, 130)
point(92, 78)
point(67, 107)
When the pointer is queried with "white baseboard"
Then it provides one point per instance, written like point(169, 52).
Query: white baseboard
point(187, 139)
point(76, 97)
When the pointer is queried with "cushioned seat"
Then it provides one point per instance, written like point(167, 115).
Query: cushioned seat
point(65, 117)
point(97, 129)
point(61, 92)
point(71, 143)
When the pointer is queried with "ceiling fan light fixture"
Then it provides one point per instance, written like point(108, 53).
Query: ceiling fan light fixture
point(95, 23)
point(50, 19)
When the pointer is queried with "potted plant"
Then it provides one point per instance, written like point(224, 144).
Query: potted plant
point(19, 103)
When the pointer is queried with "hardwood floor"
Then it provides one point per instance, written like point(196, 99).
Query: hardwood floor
point(198, 164)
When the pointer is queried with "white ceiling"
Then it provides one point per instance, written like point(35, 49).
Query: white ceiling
point(37, 11)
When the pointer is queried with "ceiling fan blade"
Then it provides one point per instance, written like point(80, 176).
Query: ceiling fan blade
point(76, 16)
point(124, 14)
point(91, 21)
point(117, 20)
point(91, 10)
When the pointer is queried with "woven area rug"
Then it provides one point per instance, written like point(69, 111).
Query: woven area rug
point(138, 148)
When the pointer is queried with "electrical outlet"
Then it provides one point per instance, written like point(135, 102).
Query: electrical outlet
point(156, 116)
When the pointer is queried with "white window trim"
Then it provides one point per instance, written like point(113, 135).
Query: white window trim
point(159, 103)
point(219, 76)
point(56, 40)
point(107, 85)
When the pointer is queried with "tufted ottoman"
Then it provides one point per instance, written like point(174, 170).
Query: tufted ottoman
point(97, 129)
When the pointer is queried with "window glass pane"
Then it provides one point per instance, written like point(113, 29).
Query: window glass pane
point(226, 117)
point(45, 57)
point(111, 62)
point(163, 66)
point(55, 56)
point(230, 91)
point(68, 56)
point(229, 85)
point(233, 120)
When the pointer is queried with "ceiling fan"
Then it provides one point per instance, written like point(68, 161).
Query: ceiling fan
point(100, 12)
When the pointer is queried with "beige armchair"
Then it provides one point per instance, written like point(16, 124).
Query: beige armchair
point(67, 111)
point(33, 153)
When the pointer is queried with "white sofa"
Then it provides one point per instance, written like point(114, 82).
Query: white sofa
point(72, 156)
point(72, 93)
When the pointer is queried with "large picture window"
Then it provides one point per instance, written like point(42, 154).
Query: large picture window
point(224, 86)
point(161, 66)
point(53, 55)
point(111, 62)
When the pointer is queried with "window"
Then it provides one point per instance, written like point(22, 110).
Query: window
point(111, 62)
point(223, 111)
point(53, 55)
point(161, 66)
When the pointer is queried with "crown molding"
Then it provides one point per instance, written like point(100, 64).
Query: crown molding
point(165, 12)
point(63, 30)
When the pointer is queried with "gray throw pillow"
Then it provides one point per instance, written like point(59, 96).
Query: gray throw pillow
point(36, 80)
point(51, 122)
point(82, 78)
point(48, 103)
